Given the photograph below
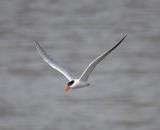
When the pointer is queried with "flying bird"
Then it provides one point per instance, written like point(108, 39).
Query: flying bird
point(82, 81)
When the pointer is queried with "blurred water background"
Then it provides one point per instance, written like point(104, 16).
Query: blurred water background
point(125, 88)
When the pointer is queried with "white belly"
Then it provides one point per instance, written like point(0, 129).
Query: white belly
point(79, 84)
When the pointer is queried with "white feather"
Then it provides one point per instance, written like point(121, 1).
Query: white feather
point(53, 63)
point(92, 65)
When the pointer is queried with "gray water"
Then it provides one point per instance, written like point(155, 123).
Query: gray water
point(125, 88)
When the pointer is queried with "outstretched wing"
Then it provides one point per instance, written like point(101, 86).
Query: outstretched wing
point(52, 62)
point(92, 65)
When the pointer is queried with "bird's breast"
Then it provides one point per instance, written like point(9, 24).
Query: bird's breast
point(80, 84)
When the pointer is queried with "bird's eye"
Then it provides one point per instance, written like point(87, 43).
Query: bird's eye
point(70, 83)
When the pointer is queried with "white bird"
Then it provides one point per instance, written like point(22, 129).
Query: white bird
point(82, 81)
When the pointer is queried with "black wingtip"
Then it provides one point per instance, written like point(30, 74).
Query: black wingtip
point(121, 40)
point(123, 37)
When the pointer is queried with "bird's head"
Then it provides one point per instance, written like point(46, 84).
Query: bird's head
point(68, 87)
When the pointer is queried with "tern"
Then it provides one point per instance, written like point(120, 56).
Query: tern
point(82, 81)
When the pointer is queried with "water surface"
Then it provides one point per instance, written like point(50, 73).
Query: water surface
point(125, 88)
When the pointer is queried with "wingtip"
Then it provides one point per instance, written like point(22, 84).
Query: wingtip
point(36, 42)
point(124, 36)
point(122, 39)
point(37, 45)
